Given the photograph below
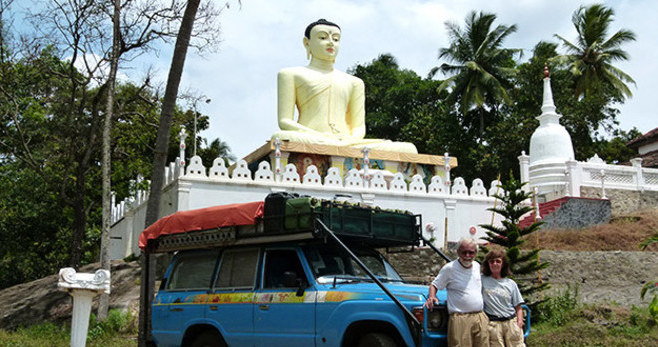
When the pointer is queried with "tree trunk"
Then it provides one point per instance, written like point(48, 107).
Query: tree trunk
point(79, 221)
point(104, 301)
point(159, 161)
point(168, 105)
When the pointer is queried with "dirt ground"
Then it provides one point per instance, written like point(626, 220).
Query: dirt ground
point(623, 233)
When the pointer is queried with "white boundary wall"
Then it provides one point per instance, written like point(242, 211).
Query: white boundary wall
point(594, 173)
point(462, 206)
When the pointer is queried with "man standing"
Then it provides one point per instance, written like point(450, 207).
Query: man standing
point(468, 323)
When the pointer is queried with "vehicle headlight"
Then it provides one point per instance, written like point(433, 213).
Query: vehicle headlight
point(437, 319)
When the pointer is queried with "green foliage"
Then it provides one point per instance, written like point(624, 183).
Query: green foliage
point(117, 322)
point(651, 240)
point(49, 155)
point(32, 226)
point(402, 106)
point(596, 325)
point(511, 207)
point(651, 287)
point(590, 58)
point(113, 332)
point(557, 310)
point(482, 69)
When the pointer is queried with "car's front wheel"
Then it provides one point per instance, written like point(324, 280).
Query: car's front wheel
point(376, 340)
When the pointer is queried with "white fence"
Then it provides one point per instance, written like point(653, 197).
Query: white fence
point(569, 177)
point(600, 174)
point(439, 202)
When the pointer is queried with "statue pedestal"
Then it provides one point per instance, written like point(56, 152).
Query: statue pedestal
point(303, 155)
point(83, 288)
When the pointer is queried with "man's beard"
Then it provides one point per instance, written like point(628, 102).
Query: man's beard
point(466, 263)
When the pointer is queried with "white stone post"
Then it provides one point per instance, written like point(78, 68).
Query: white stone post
point(567, 185)
point(366, 167)
point(537, 215)
point(637, 164)
point(277, 160)
point(573, 178)
point(450, 230)
point(113, 207)
point(83, 287)
point(524, 168)
point(181, 156)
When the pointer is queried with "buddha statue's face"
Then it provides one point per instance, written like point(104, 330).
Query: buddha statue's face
point(323, 43)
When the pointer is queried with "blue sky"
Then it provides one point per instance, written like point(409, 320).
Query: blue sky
point(262, 36)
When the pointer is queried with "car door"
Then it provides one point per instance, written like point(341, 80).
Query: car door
point(281, 316)
point(182, 300)
point(230, 305)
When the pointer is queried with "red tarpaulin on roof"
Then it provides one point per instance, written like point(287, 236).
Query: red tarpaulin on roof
point(203, 219)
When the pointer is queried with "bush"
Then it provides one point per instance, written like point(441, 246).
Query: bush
point(118, 322)
point(557, 309)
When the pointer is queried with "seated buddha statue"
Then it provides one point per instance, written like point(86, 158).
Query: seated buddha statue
point(330, 103)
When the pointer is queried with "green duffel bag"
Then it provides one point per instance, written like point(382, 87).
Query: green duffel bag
point(299, 213)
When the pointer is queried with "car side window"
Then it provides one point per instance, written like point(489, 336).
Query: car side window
point(278, 262)
point(192, 270)
point(237, 269)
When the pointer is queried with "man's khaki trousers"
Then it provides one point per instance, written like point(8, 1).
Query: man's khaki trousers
point(468, 329)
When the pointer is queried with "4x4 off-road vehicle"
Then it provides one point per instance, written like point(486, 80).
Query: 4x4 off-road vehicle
point(289, 272)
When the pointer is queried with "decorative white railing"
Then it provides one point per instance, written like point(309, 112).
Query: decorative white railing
point(596, 173)
point(354, 180)
point(592, 173)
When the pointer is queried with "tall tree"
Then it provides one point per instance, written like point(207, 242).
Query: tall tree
point(591, 57)
point(106, 164)
point(481, 68)
point(78, 30)
point(168, 105)
point(160, 159)
point(509, 235)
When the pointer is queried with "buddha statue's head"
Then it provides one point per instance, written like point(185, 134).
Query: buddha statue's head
point(322, 39)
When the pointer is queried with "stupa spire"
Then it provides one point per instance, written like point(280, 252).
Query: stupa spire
point(548, 106)
point(550, 143)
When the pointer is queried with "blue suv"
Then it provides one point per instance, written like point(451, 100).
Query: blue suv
point(300, 283)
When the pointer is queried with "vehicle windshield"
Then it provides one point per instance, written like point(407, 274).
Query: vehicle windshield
point(329, 262)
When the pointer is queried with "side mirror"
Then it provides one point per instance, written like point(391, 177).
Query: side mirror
point(290, 280)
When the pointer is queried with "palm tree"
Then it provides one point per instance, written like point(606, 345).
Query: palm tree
point(482, 68)
point(590, 58)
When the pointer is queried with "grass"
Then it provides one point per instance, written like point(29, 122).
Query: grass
point(561, 321)
point(119, 330)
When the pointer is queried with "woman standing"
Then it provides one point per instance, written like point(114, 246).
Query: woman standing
point(502, 302)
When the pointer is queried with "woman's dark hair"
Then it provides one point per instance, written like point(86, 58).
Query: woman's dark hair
point(495, 254)
point(320, 21)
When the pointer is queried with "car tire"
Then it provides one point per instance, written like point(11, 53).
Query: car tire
point(208, 338)
point(377, 340)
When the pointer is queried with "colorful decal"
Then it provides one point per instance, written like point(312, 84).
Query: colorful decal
point(309, 297)
point(340, 296)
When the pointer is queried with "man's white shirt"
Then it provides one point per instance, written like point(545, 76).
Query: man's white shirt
point(464, 287)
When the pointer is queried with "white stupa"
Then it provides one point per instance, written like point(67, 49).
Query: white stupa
point(550, 149)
